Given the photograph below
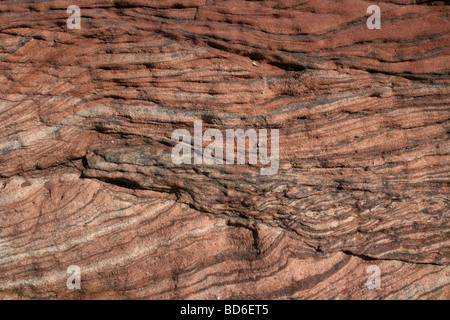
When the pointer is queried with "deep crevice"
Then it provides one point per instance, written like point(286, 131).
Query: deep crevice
point(123, 183)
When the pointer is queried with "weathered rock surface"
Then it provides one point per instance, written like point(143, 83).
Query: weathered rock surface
point(86, 178)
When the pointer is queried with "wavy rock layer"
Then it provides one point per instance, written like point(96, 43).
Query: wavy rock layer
point(86, 178)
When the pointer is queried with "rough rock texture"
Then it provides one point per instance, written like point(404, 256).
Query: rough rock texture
point(86, 118)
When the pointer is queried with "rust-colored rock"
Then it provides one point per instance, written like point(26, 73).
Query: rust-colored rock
point(86, 177)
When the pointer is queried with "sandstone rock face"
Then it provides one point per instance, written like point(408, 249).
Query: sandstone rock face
point(86, 176)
